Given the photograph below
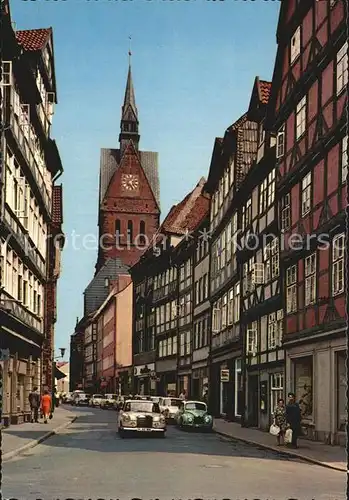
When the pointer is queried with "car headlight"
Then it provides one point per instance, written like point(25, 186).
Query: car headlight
point(208, 419)
point(189, 418)
point(126, 418)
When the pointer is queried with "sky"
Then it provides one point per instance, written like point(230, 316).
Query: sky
point(193, 64)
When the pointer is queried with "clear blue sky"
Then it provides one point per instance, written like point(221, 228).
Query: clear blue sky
point(193, 64)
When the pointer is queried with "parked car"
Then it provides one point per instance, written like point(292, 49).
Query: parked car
point(68, 398)
point(96, 400)
point(74, 395)
point(193, 415)
point(109, 401)
point(82, 399)
point(141, 416)
point(169, 407)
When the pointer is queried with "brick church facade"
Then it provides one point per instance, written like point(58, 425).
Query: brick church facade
point(129, 195)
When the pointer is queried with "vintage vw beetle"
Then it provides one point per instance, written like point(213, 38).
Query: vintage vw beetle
point(141, 416)
point(193, 415)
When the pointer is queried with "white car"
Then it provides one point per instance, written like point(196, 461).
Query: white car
point(109, 401)
point(96, 400)
point(141, 416)
point(169, 407)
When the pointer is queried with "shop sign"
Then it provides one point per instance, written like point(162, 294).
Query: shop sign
point(224, 375)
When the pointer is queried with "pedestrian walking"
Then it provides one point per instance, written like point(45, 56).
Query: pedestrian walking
point(294, 418)
point(46, 402)
point(183, 395)
point(34, 402)
point(280, 420)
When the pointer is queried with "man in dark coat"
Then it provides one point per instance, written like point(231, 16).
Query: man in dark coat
point(34, 401)
point(294, 418)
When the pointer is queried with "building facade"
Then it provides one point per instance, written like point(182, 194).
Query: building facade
point(29, 213)
point(163, 281)
point(308, 109)
point(114, 339)
point(76, 363)
point(259, 264)
point(231, 161)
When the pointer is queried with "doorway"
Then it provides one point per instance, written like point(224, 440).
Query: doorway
point(252, 408)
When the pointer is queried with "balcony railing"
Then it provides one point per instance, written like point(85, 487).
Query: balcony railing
point(23, 240)
point(21, 312)
point(27, 151)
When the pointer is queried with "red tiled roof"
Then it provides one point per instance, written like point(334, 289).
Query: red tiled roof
point(33, 39)
point(187, 215)
point(57, 205)
point(264, 91)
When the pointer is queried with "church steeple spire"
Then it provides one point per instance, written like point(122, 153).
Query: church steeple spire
point(129, 117)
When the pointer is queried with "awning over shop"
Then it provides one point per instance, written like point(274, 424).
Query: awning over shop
point(58, 374)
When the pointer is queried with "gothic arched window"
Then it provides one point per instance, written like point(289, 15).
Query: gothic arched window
point(117, 232)
point(130, 231)
point(142, 232)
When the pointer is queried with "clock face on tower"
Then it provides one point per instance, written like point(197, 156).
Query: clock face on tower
point(129, 182)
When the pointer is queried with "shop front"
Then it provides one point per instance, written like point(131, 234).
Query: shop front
point(226, 389)
point(184, 383)
point(316, 373)
point(144, 377)
point(166, 370)
point(200, 383)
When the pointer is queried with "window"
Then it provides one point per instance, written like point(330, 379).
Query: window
point(338, 264)
point(248, 284)
point(291, 289)
point(280, 142)
point(275, 329)
point(252, 339)
point(301, 114)
point(271, 187)
point(310, 279)
point(263, 196)
point(205, 286)
point(247, 214)
point(303, 385)
point(286, 212)
point(216, 317)
point(224, 311)
point(234, 304)
point(130, 231)
point(6, 73)
point(117, 230)
point(276, 389)
point(342, 68)
point(306, 194)
point(344, 159)
point(271, 260)
point(296, 44)
point(142, 232)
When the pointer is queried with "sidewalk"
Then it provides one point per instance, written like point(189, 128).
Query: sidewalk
point(18, 438)
point(333, 457)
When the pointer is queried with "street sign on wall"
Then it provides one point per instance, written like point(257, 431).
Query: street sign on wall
point(224, 375)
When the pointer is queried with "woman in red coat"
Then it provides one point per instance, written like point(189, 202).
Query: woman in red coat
point(46, 403)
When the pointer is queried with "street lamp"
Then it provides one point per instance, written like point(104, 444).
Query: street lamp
point(54, 359)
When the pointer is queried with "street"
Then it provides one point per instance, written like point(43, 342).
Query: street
point(89, 460)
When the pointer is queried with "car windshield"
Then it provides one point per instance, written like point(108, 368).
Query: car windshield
point(98, 396)
point(173, 402)
point(195, 406)
point(142, 406)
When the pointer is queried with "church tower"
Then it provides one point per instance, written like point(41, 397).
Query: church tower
point(129, 193)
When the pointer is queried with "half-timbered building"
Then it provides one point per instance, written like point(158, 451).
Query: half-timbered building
point(258, 254)
point(231, 160)
point(201, 312)
point(30, 214)
point(308, 109)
